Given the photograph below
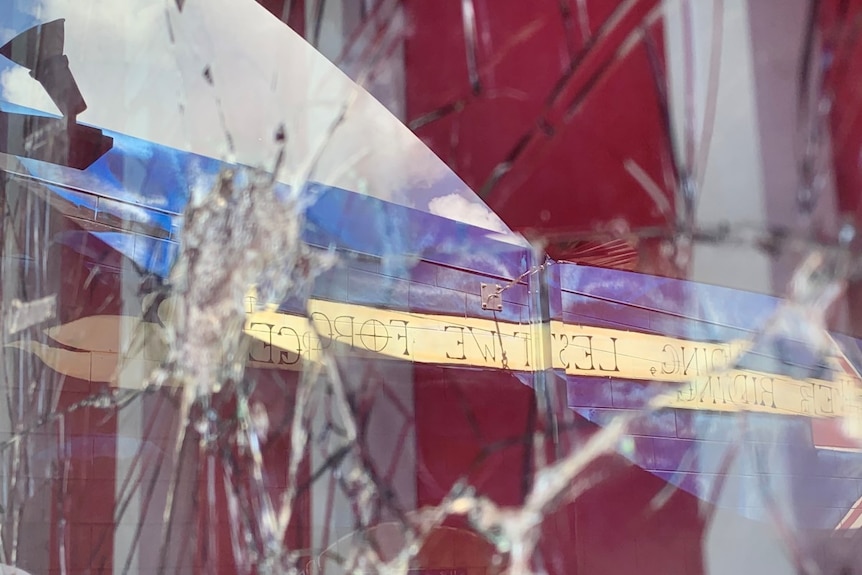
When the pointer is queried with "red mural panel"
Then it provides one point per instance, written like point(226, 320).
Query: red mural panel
point(235, 478)
point(545, 114)
point(841, 62)
point(85, 437)
point(471, 424)
point(838, 55)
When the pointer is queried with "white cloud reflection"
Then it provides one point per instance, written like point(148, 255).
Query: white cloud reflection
point(140, 64)
point(458, 207)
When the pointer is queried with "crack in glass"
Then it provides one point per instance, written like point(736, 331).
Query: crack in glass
point(258, 342)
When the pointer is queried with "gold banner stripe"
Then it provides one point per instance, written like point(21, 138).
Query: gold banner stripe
point(286, 341)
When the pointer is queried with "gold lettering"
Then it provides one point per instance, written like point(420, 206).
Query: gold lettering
point(267, 344)
point(616, 366)
point(312, 337)
point(374, 335)
point(343, 335)
point(806, 392)
point(460, 342)
point(564, 339)
point(688, 386)
point(707, 388)
point(687, 364)
point(734, 387)
point(721, 364)
point(667, 367)
point(483, 349)
point(526, 337)
point(284, 356)
point(399, 337)
point(588, 352)
point(827, 406)
point(767, 388)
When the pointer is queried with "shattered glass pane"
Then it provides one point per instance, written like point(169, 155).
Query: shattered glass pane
point(457, 287)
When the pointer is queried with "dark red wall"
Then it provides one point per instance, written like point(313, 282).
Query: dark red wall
point(838, 54)
point(471, 424)
point(562, 110)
